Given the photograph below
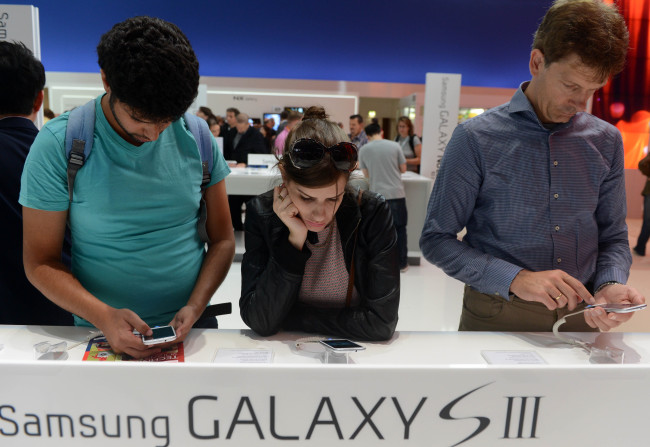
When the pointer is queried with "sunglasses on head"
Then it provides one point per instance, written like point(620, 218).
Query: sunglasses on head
point(305, 153)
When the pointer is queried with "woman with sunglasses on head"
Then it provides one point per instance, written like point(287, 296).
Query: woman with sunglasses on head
point(320, 257)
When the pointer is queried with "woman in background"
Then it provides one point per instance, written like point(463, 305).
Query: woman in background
point(320, 257)
point(213, 124)
point(410, 143)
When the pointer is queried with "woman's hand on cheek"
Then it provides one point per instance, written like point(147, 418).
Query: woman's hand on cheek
point(288, 213)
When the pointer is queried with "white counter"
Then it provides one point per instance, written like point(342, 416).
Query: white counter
point(421, 389)
point(405, 348)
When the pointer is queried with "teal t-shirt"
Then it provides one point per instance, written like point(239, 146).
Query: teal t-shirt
point(133, 215)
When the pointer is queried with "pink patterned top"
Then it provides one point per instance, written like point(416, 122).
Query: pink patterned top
point(325, 282)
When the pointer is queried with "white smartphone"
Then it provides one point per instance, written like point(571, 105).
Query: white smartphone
point(341, 345)
point(160, 334)
point(618, 308)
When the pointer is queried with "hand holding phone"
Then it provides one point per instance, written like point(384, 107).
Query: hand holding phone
point(618, 308)
point(341, 345)
point(160, 334)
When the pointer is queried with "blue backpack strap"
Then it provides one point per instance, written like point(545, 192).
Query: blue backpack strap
point(79, 140)
point(201, 132)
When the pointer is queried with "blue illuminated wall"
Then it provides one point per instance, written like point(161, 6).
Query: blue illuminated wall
point(487, 41)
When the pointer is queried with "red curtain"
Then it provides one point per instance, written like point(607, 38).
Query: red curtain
point(625, 100)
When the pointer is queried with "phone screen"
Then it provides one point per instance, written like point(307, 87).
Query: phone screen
point(161, 333)
point(342, 345)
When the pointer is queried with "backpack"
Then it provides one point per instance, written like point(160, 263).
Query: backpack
point(79, 143)
point(411, 139)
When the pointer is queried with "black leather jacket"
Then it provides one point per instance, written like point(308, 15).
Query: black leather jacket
point(272, 271)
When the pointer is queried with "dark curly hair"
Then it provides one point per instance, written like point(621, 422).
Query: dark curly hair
point(591, 29)
point(150, 66)
point(22, 77)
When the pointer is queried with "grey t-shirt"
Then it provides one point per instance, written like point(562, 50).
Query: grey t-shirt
point(408, 152)
point(406, 147)
point(382, 159)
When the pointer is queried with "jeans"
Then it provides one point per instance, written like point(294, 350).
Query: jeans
point(645, 228)
point(483, 312)
point(400, 219)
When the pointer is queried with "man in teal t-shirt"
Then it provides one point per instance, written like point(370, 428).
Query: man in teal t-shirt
point(137, 258)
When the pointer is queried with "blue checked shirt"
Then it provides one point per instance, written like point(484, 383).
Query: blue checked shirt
point(360, 140)
point(530, 198)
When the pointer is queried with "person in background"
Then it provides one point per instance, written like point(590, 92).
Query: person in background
point(382, 162)
point(213, 124)
point(293, 118)
point(410, 143)
point(357, 135)
point(22, 78)
point(320, 258)
point(269, 123)
point(268, 133)
point(283, 121)
point(137, 257)
point(247, 140)
point(204, 112)
point(48, 114)
point(644, 235)
point(539, 185)
point(228, 131)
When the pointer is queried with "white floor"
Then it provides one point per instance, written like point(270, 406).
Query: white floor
point(431, 301)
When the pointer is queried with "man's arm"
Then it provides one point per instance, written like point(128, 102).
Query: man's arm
point(217, 261)
point(402, 168)
point(614, 257)
point(42, 241)
point(450, 208)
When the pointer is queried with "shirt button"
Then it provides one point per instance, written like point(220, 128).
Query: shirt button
point(559, 260)
point(555, 163)
point(496, 293)
point(557, 228)
point(556, 195)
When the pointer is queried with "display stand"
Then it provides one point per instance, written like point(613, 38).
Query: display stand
point(606, 354)
point(332, 357)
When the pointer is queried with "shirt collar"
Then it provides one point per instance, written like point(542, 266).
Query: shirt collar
point(520, 104)
point(15, 117)
point(519, 101)
point(17, 121)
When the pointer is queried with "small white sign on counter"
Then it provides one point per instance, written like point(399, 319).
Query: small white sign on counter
point(228, 355)
point(513, 358)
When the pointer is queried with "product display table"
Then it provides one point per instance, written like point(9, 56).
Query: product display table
point(254, 181)
point(419, 388)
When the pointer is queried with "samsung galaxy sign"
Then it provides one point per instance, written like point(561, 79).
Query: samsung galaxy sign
point(315, 405)
point(208, 417)
point(441, 104)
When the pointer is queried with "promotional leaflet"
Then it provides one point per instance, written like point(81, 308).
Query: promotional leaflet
point(98, 350)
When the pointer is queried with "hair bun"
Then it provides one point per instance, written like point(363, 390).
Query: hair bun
point(315, 113)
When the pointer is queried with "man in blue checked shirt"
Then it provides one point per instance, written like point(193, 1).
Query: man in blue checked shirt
point(539, 185)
